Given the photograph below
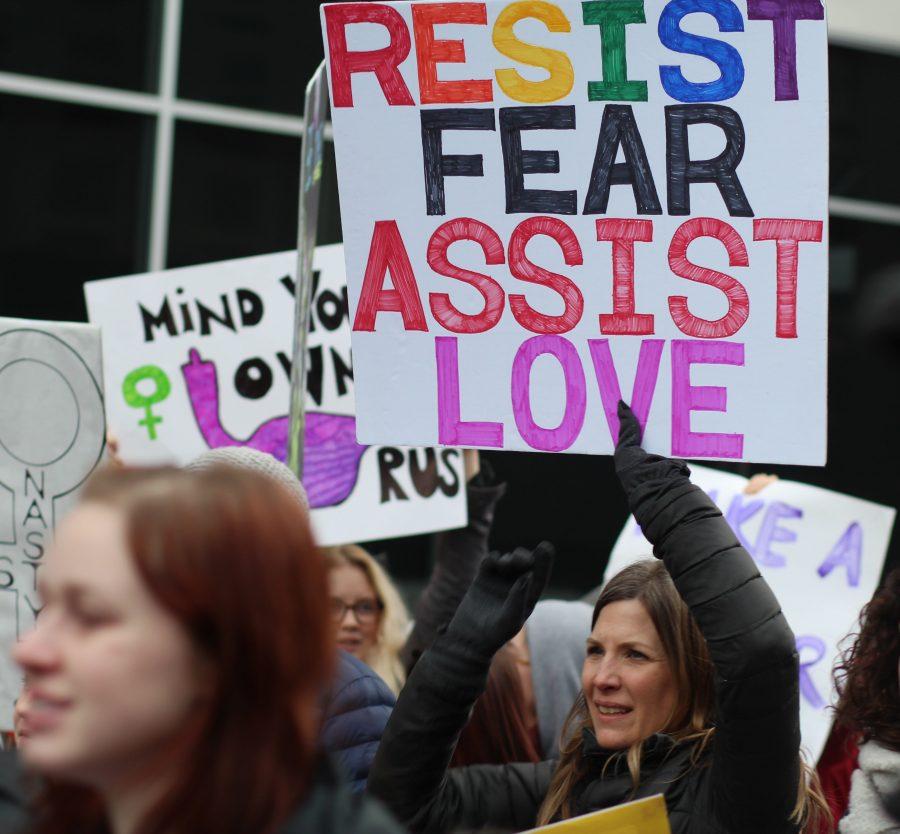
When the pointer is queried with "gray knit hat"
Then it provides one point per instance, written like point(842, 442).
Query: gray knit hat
point(245, 457)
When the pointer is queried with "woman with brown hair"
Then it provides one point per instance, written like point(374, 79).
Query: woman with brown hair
point(176, 668)
point(689, 687)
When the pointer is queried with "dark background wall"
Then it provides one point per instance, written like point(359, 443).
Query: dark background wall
point(76, 195)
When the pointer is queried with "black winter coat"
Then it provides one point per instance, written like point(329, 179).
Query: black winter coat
point(745, 783)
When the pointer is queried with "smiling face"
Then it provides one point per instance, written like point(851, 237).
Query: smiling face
point(626, 679)
point(357, 627)
point(112, 676)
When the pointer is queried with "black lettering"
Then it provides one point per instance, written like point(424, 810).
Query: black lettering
point(285, 361)
point(187, 323)
point(342, 372)
point(451, 487)
point(34, 514)
point(517, 163)
point(253, 378)
point(207, 315)
point(437, 164)
point(721, 170)
point(289, 284)
point(424, 478)
point(163, 318)
point(388, 460)
point(250, 306)
point(619, 128)
point(29, 479)
point(314, 374)
point(34, 572)
point(34, 538)
point(331, 309)
point(7, 580)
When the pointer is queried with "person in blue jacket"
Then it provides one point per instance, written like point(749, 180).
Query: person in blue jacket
point(356, 712)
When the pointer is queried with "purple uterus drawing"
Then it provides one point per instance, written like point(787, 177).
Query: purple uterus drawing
point(331, 453)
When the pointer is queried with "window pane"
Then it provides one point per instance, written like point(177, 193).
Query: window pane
point(864, 125)
point(73, 204)
point(106, 42)
point(254, 55)
point(234, 193)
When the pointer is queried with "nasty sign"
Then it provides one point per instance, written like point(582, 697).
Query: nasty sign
point(52, 433)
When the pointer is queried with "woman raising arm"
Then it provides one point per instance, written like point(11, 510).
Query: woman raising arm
point(690, 685)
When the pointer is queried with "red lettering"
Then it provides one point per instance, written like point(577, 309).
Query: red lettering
point(383, 62)
point(787, 234)
point(525, 270)
point(447, 315)
point(738, 301)
point(431, 52)
point(623, 321)
point(387, 252)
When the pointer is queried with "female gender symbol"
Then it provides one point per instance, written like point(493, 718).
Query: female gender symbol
point(136, 399)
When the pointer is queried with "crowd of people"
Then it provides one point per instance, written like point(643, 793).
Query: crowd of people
point(200, 665)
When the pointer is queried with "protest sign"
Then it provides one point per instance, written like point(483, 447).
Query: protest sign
point(199, 357)
point(822, 554)
point(547, 206)
point(52, 433)
point(643, 816)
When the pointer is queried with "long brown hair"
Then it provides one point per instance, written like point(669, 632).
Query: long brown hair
point(228, 553)
point(497, 731)
point(649, 582)
point(691, 721)
point(867, 675)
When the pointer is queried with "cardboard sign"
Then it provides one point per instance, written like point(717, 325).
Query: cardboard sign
point(643, 816)
point(822, 554)
point(199, 357)
point(549, 205)
point(52, 433)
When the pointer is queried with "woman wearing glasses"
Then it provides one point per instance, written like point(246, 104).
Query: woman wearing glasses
point(368, 613)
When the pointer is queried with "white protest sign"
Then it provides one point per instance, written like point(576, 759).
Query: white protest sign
point(52, 432)
point(199, 357)
point(821, 553)
point(548, 205)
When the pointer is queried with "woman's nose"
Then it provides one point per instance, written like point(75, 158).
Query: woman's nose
point(35, 651)
point(606, 676)
point(349, 620)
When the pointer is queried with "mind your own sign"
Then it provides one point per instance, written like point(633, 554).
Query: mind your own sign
point(547, 206)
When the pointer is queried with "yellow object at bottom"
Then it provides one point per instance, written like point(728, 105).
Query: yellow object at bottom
point(644, 816)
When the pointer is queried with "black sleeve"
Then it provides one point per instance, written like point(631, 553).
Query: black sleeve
point(458, 555)
point(755, 761)
point(410, 772)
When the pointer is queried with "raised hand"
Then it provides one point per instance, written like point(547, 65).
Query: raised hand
point(502, 597)
point(643, 476)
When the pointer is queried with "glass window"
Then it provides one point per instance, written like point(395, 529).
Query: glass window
point(253, 55)
point(106, 42)
point(234, 193)
point(74, 202)
point(864, 125)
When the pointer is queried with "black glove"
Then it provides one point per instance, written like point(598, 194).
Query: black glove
point(501, 598)
point(644, 477)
